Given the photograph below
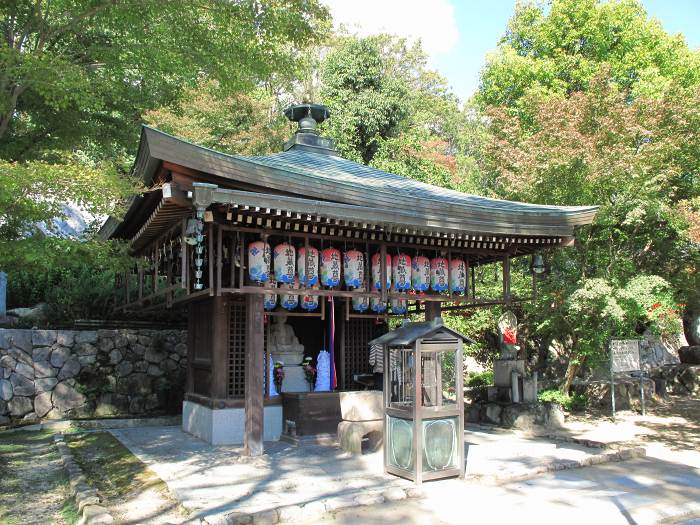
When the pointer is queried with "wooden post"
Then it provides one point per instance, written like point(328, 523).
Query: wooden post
point(254, 407)
point(432, 310)
point(219, 347)
point(506, 279)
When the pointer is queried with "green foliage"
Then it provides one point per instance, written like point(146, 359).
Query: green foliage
point(80, 73)
point(570, 403)
point(558, 47)
point(36, 192)
point(475, 379)
point(75, 279)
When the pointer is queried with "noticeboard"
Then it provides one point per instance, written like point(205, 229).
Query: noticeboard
point(624, 355)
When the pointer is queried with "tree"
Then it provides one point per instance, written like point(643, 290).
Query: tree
point(249, 123)
point(558, 47)
point(79, 74)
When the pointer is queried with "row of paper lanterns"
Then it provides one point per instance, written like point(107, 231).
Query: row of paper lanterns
point(291, 265)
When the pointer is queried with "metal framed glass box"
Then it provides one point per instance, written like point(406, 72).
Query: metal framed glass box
point(423, 401)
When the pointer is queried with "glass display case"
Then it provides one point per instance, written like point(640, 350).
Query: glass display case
point(423, 401)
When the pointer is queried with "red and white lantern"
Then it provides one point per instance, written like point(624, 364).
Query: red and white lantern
point(399, 306)
point(307, 265)
point(330, 267)
point(259, 261)
point(458, 275)
point(377, 305)
point(420, 273)
point(402, 272)
point(310, 302)
point(354, 268)
point(377, 272)
point(290, 300)
point(438, 274)
point(360, 303)
point(285, 263)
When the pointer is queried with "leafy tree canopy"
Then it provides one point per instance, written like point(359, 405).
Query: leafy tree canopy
point(80, 73)
point(559, 46)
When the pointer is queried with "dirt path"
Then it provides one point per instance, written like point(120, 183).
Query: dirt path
point(33, 485)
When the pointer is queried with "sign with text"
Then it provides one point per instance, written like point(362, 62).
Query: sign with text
point(624, 355)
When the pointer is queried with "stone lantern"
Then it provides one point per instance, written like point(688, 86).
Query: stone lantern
point(423, 401)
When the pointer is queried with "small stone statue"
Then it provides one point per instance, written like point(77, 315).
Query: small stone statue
point(284, 344)
point(508, 333)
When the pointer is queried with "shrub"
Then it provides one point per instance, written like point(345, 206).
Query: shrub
point(475, 379)
point(571, 403)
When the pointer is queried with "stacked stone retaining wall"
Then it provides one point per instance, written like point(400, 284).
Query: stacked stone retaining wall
point(58, 374)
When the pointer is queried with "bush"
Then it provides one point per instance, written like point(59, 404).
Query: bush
point(75, 278)
point(475, 379)
point(571, 403)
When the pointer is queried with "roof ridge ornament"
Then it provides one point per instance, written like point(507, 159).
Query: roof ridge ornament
point(307, 137)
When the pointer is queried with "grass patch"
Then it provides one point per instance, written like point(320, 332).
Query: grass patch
point(33, 485)
point(109, 466)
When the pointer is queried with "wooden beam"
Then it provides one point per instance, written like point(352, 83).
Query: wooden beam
point(219, 347)
point(254, 370)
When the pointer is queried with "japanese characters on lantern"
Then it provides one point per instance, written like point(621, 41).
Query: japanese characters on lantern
point(310, 302)
point(377, 271)
point(438, 274)
point(402, 272)
point(270, 299)
point(360, 303)
point(284, 259)
point(458, 275)
point(330, 267)
point(290, 301)
point(354, 268)
point(307, 265)
point(420, 273)
point(259, 261)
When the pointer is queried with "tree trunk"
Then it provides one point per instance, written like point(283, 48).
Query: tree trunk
point(571, 371)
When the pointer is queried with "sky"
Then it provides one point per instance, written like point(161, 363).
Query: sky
point(458, 34)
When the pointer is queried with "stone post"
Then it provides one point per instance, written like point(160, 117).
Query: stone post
point(3, 295)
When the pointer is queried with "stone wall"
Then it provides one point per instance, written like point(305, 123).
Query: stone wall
point(59, 374)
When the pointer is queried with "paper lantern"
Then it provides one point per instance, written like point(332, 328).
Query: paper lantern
point(354, 268)
point(377, 305)
point(420, 273)
point(310, 302)
point(290, 300)
point(377, 272)
point(307, 264)
point(458, 275)
point(259, 261)
point(402, 272)
point(330, 267)
point(399, 306)
point(360, 303)
point(270, 299)
point(438, 274)
point(284, 258)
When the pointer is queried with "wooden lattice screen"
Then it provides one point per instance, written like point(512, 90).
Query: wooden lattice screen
point(236, 351)
point(357, 334)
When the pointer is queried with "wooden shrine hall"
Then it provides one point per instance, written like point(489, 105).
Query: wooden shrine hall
point(301, 252)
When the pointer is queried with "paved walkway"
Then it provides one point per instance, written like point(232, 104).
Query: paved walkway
point(640, 491)
point(218, 480)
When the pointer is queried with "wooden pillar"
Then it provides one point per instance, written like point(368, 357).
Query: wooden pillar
point(432, 310)
point(506, 279)
point(220, 327)
point(254, 375)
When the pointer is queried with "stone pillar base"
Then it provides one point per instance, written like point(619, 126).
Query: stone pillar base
point(226, 426)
